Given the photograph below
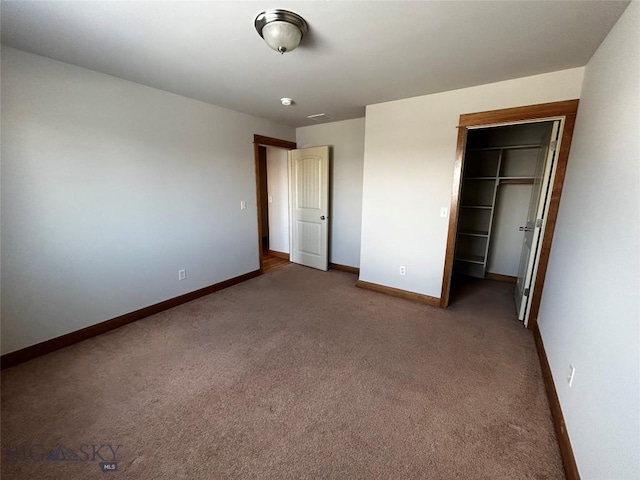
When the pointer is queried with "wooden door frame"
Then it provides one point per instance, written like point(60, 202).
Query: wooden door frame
point(565, 110)
point(262, 141)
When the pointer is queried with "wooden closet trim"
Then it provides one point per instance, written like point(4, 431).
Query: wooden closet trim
point(273, 142)
point(262, 141)
point(518, 114)
point(540, 112)
point(454, 212)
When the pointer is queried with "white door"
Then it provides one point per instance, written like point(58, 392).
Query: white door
point(309, 200)
point(536, 218)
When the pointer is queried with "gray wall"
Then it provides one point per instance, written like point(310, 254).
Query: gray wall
point(108, 188)
point(590, 315)
point(346, 140)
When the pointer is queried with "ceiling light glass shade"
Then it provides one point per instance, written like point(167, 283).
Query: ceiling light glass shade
point(282, 36)
point(282, 30)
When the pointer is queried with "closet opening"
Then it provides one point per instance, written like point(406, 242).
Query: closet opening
point(507, 184)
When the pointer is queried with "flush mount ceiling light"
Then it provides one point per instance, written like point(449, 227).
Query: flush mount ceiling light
point(286, 101)
point(281, 29)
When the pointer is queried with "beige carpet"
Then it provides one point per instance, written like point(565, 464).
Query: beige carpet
point(296, 374)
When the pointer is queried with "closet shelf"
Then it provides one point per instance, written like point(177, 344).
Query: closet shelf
point(505, 147)
point(477, 233)
point(516, 180)
point(524, 180)
point(482, 207)
point(479, 259)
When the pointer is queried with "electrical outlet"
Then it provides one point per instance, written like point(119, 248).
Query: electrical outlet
point(403, 270)
point(182, 274)
point(243, 205)
point(572, 372)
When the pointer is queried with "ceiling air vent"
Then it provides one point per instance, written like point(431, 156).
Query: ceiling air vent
point(320, 117)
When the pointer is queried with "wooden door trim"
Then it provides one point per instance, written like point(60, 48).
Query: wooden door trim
point(540, 112)
point(454, 211)
point(263, 141)
point(518, 114)
point(273, 142)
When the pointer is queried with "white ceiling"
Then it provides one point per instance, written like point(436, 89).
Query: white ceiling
point(356, 53)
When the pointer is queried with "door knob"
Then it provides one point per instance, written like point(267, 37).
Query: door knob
point(322, 217)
